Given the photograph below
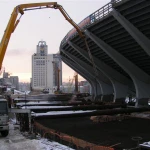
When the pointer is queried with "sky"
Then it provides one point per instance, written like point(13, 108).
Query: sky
point(48, 25)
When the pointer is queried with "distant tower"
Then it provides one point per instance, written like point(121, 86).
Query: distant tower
point(57, 70)
point(42, 68)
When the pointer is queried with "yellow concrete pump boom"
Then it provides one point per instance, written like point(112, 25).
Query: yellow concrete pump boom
point(13, 22)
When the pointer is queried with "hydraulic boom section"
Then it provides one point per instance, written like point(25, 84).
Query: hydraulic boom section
point(20, 9)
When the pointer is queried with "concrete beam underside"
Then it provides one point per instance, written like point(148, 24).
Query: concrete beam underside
point(140, 78)
point(78, 65)
point(120, 83)
point(139, 37)
point(106, 86)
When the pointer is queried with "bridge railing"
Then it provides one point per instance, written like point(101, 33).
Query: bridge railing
point(94, 17)
point(101, 13)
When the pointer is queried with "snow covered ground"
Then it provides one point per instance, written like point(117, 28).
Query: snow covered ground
point(60, 112)
point(42, 107)
point(40, 102)
point(16, 141)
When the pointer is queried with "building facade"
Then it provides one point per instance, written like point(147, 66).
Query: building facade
point(44, 72)
point(15, 82)
point(9, 81)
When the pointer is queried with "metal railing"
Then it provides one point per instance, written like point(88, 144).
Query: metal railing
point(101, 13)
point(94, 17)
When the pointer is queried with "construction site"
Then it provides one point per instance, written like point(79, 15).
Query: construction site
point(110, 50)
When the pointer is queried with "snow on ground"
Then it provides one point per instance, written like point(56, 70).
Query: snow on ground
point(60, 112)
point(142, 115)
point(16, 141)
point(40, 102)
point(42, 107)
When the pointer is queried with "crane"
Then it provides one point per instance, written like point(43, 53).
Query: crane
point(20, 9)
point(12, 24)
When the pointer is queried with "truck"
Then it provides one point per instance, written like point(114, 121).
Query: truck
point(4, 118)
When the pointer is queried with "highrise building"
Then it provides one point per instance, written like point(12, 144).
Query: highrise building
point(15, 82)
point(46, 69)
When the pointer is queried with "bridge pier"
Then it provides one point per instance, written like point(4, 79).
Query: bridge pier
point(108, 98)
point(107, 90)
point(86, 71)
point(140, 78)
point(143, 92)
point(120, 92)
point(115, 77)
point(103, 87)
point(87, 77)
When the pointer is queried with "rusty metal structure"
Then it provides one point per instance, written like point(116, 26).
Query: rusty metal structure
point(67, 139)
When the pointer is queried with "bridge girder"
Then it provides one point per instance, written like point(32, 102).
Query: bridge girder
point(78, 65)
point(120, 83)
point(140, 78)
point(140, 38)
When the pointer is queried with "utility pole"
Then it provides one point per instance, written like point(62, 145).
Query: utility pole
point(25, 101)
point(76, 83)
point(58, 86)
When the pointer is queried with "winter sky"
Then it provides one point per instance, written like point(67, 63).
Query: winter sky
point(48, 25)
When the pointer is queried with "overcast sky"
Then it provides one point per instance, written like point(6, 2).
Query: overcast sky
point(47, 24)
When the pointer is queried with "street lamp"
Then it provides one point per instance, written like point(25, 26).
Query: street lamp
point(25, 99)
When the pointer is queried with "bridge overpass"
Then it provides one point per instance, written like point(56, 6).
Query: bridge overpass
point(118, 35)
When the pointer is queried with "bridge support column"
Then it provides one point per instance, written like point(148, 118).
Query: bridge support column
point(87, 77)
point(107, 93)
point(143, 93)
point(106, 86)
point(87, 70)
point(118, 80)
point(139, 77)
point(120, 91)
point(140, 38)
point(98, 85)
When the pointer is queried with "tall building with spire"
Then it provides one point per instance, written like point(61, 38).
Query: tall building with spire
point(46, 69)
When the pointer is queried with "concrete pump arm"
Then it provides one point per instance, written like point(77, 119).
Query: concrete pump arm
point(13, 22)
